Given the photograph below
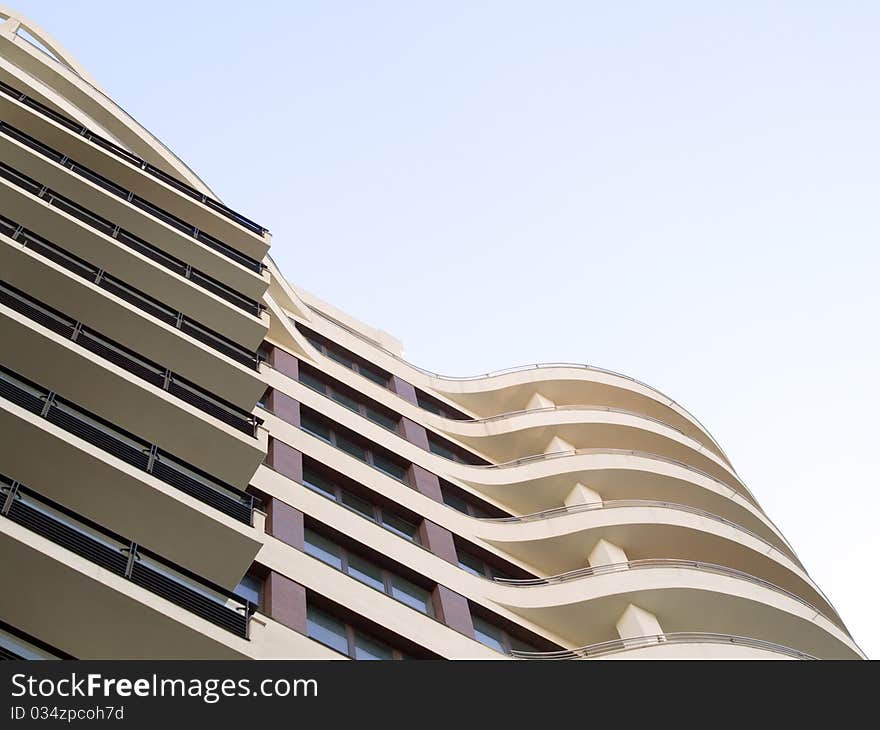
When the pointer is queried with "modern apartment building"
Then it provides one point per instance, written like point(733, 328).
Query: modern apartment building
point(200, 460)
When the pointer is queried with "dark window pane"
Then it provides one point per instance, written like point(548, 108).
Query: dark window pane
point(358, 504)
point(323, 549)
point(340, 358)
point(380, 418)
point(310, 380)
point(326, 629)
point(319, 484)
point(488, 635)
point(373, 375)
point(443, 451)
point(349, 403)
point(350, 447)
point(471, 563)
point(454, 501)
point(365, 572)
point(411, 594)
point(250, 588)
point(315, 426)
point(400, 526)
point(369, 648)
point(392, 468)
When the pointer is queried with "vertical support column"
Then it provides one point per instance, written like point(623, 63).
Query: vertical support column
point(581, 494)
point(284, 362)
point(285, 601)
point(539, 401)
point(438, 540)
point(557, 444)
point(635, 623)
point(283, 406)
point(424, 482)
point(285, 522)
point(403, 389)
point(285, 459)
point(415, 433)
point(453, 610)
point(606, 553)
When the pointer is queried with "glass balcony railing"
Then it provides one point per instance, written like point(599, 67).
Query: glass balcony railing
point(133, 296)
point(124, 557)
point(126, 446)
point(128, 360)
point(134, 160)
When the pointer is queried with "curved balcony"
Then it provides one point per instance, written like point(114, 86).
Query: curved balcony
point(771, 540)
point(585, 572)
point(509, 390)
point(689, 596)
point(506, 438)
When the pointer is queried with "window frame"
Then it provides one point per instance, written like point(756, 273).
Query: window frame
point(378, 511)
point(343, 356)
point(351, 634)
point(389, 578)
point(331, 390)
point(506, 637)
point(356, 439)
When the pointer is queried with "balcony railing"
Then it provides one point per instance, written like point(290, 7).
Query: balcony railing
point(617, 645)
point(128, 360)
point(87, 217)
point(126, 446)
point(124, 557)
point(133, 159)
point(660, 563)
point(624, 503)
point(133, 296)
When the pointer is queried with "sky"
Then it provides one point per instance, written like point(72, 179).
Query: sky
point(682, 192)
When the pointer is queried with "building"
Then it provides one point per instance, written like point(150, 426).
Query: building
point(199, 460)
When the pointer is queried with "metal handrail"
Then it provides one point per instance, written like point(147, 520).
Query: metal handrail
point(146, 303)
point(126, 446)
point(624, 452)
point(654, 563)
point(546, 409)
point(12, 492)
point(680, 637)
point(619, 503)
point(133, 159)
point(132, 362)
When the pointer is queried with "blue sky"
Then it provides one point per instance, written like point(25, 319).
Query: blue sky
point(685, 192)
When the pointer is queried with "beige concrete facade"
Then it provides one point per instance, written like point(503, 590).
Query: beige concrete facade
point(191, 499)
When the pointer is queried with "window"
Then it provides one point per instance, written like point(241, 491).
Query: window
point(352, 444)
point(327, 629)
point(330, 488)
point(368, 572)
point(346, 639)
point(467, 503)
point(251, 589)
point(344, 357)
point(264, 354)
point(438, 407)
point(347, 397)
point(451, 451)
point(264, 399)
point(472, 564)
point(498, 639)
